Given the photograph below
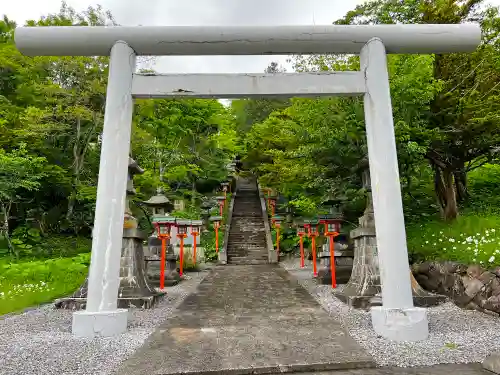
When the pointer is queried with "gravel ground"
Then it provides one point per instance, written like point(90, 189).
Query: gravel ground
point(455, 335)
point(40, 341)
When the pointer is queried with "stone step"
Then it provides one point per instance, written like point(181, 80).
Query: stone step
point(244, 261)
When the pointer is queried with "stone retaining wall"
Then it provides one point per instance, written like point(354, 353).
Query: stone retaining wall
point(470, 287)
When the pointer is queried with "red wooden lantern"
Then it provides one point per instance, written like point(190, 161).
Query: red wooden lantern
point(163, 225)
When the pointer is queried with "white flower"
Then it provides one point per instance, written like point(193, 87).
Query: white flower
point(492, 259)
point(468, 239)
point(451, 239)
point(434, 244)
point(493, 230)
point(426, 241)
point(454, 247)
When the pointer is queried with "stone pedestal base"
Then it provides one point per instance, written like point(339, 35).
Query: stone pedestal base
point(400, 324)
point(146, 302)
point(134, 289)
point(99, 324)
point(368, 301)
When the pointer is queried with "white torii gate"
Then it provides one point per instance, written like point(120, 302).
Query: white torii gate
point(397, 319)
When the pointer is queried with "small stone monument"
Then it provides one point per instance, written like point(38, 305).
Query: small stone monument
point(161, 206)
point(134, 289)
point(363, 289)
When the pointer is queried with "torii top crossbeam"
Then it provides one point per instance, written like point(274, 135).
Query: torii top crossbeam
point(245, 40)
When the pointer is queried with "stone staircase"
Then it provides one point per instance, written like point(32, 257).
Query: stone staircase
point(247, 236)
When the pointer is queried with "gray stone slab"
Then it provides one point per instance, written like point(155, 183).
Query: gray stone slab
point(492, 363)
point(243, 320)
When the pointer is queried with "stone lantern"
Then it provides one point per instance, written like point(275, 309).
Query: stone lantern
point(206, 207)
point(160, 204)
point(134, 289)
point(363, 289)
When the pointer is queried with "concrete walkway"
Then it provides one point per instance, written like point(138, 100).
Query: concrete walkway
point(244, 320)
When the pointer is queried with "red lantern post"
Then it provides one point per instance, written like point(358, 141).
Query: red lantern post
point(163, 226)
point(222, 202)
point(301, 230)
point(312, 226)
point(272, 204)
point(216, 220)
point(225, 187)
point(195, 231)
point(182, 228)
point(332, 229)
point(277, 224)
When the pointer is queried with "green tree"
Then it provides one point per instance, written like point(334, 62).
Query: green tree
point(18, 172)
point(462, 116)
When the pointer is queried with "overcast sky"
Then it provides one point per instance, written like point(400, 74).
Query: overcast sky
point(200, 12)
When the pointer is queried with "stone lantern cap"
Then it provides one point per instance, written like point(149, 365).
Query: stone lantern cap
point(196, 223)
point(158, 200)
point(206, 205)
point(221, 198)
point(215, 218)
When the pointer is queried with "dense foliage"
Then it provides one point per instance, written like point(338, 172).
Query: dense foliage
point(51, 117)
point(445, 114)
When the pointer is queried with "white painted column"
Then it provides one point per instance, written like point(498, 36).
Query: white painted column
point(397, 319)
point(102, 318)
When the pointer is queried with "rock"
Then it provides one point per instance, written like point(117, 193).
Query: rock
point(492, 304)
point(496, 271)
point(475, 271)
point(470, 287)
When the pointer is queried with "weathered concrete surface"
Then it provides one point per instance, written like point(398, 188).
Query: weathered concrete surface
point(451, 369)
point(492, 363)
point(247, 319)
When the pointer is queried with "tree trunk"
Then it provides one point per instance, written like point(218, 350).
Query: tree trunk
point(79, 151)
point(5, 227)
point(444, 185)
point(460, 177)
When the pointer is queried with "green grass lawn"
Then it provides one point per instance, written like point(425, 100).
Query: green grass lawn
point(32, 283)
point(472, 238)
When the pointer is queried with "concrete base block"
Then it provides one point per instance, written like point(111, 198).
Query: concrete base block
point(102, 323)
point(400, 324)
point(492, 363)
